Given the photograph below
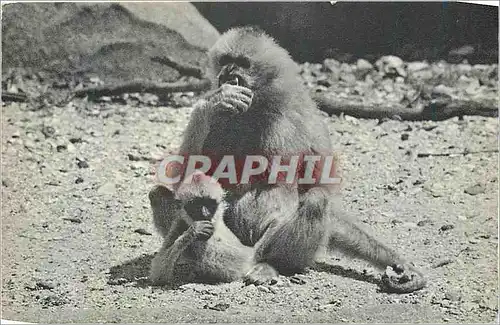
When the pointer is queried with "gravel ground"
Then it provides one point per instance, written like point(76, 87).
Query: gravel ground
point(78, 235)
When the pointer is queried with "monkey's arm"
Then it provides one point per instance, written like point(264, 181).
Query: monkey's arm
point(163, 264)
point(217, 105)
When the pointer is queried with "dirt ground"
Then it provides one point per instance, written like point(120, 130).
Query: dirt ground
point(78, 235)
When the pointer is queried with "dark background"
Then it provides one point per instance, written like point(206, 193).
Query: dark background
point(347, 30)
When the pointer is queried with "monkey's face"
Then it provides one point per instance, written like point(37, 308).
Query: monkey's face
point(201, 208)
point(200, 197)
point(249, 58)
point(234, 71)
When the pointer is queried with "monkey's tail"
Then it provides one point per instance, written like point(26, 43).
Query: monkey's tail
point(351, 240)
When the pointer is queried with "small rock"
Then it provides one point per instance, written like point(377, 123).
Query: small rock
point(350, 79)
point(61, 147)
point(78, 180)
point(446, 227)
point(263, 289)
point(363, 64)
point(475, 189)
point(75, 140)
point(405, 136)
point(422, 75)
point(48, 131)
point(53, 300)
point(29, 144)
point(324, 82)
point(217, 307)
point(416, 66)
point(16, 134)
point(104, 99)
point(452, 296)
point(331, 65)
point(142, 231)
point(70, 147)
point(351, 119)
point(442, 263)
point(95, 80)
point(463, 69)
point(42, 285)
point(82, 164)
point(297, 280)
point(391, 64)
point(442, 90)
point(133, 157)
point(117, 281)
point(422, 223)
point(74, 220)
point(429, 127)
point(473, 241)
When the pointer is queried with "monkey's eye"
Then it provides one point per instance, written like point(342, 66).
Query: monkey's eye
point(243, 62)
point(225, 59)
point(201, 208)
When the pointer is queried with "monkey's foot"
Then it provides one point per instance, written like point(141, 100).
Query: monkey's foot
point(402, 279)
point(261, 273)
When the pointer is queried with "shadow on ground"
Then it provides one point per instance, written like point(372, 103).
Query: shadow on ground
point(346, 273)
point(137, 270)
point(133, 271)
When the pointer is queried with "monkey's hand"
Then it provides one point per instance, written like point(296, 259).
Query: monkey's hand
point(261, 273)
point(202, 230)
point(402, 279)
point(230, 99)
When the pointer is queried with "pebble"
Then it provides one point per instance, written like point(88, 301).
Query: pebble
point(363, 64)
point(73, 220)
point(442, 263)
point(42, 285)
point(217, 307)
point(142, 231)
point(442, 90)
point(475, 189)
point(446, 227)
point(297, 280)
point(405, 136)
point(263, 289)
point(417, 66)
point(82, 164)
point(78, 180)
point(117, 281)
point(452, 296)
point(70, 147)
point(48, 131)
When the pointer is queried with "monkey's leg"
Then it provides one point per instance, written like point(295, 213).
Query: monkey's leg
point(352, 240)
point(223, 261)
point(290, 243)
point(163, 264)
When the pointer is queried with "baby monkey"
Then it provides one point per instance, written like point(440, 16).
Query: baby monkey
point(198, 247)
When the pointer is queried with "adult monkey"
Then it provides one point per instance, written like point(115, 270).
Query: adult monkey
point(261, 107)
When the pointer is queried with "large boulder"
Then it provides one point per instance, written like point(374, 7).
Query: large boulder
point(114, 41)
